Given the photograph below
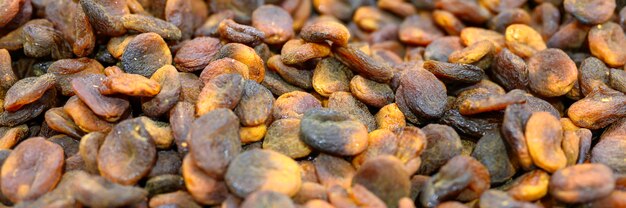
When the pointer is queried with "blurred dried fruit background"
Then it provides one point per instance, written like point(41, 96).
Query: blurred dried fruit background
point(313, 103)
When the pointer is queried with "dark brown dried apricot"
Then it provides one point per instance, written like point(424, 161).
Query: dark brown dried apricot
point(551, 73)
point(590, 11)
point(323, 31)
point(333, 132)
point(127, 153)
point(283, 136)
point(245, 55)
point(87, 88)
point(145, 54)
point(443, 143)
point(217, 131)
point(169, 79)
point(294, 105)
point(238, 33)
point(275, 22)
point(256, 170)
point(223, 91)
point(105, 16)
point(131, 85)
point(295, 76)
point(582, 183)
point(331, 76)
point(27, 90)
point(418, 29)
point(202, 187)
point(33, 168)
point(255, 105)
point(371, 93)
point(606, 41)
point(224, 66)
point(385, 177)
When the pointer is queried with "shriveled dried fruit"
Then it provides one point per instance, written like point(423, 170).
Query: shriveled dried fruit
point(469, 11)
point(118, 157)
point(443, 143)
point(84, 118)
point(10, 136)
point(224, 66)
point(223, 91)
point(446, 20)
point(218, 132)
point(130, 84)
point(105, 16)
point(87, 88)
point(347, 104)
point(458, 177)
point(390, 117)
point(184, 14)
point(96, 191)
point(582, 183)
point(599, 109)
point(590, 11)
point(33, 168)
point(385, 177)
point(495, 198)
point(380, 142)
point(178, 198)
point(302, 51)
point(41, 41)
point(73, 23)
point(509, 70)
point(65, 70)
point(267, 198)
point(142, 24)
point(509, 17)
point(551, 73)
point(418, 29)
point(605, 42)
point(608, 152)
point(169, 79)
point(523, 40)
point(363, 64)
point(451, 73)
point(371, 93)
point(238, 33)
point(29, 111)
point(422, 93)
point(298, 77)
point(283, 136)
point(333, 132)
point(202, 187)
point(255, 105)
point(27, 90)
point(441, 48)
point(569, 36)
point(275, 22)
point(544, 135)
point(58, 120)
point(245, 55)
point(491, 151)
point(331, 76)
point(294, 105)
point(323, 31)
point(531, 186)
point(256, 170)
point(145, 54)
point(196, 54)
point(545, 19)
